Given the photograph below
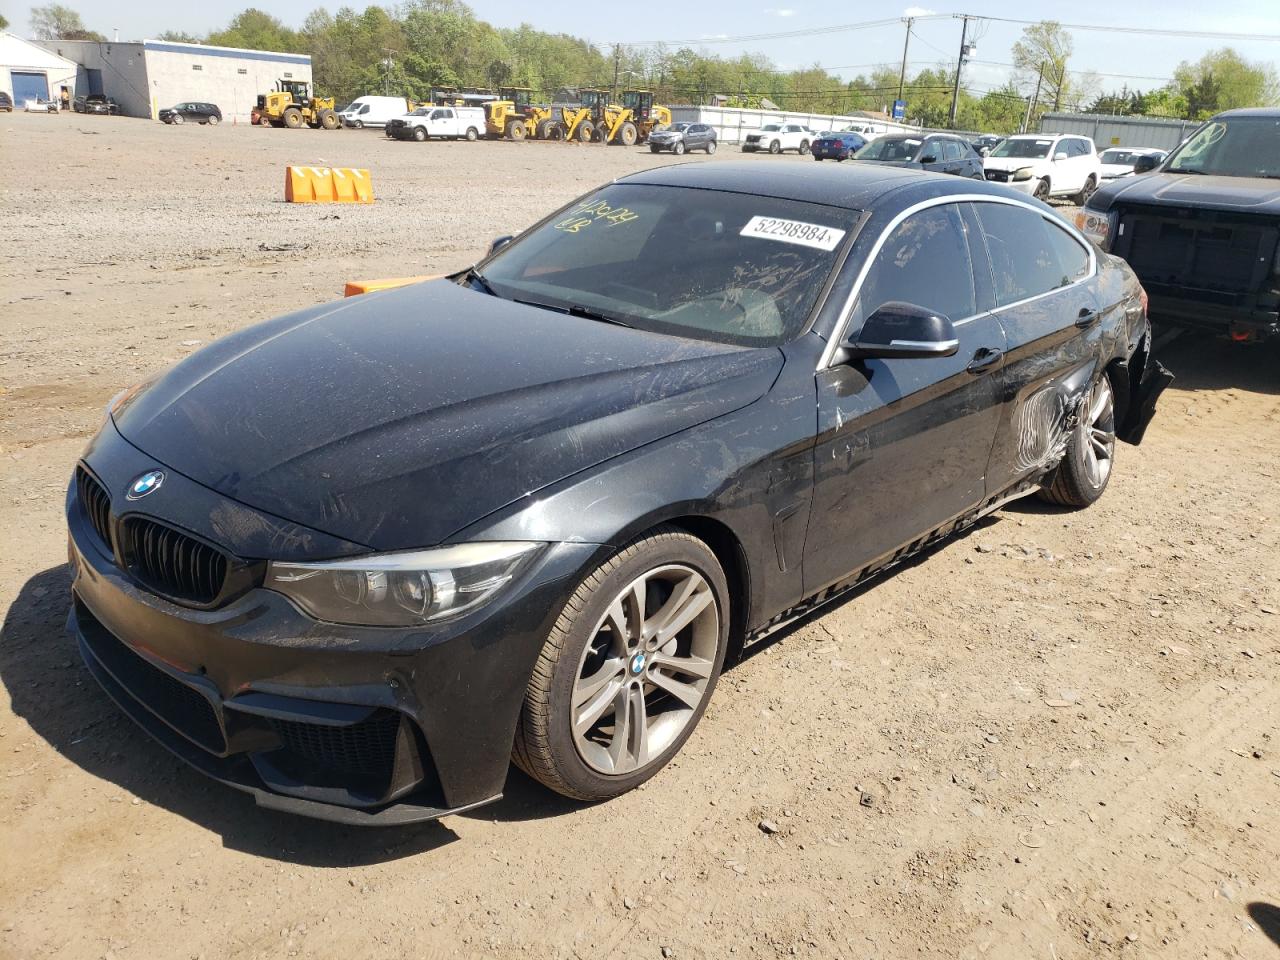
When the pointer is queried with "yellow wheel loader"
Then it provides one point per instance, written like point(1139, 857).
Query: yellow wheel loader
point(645, 114)
point(291, 105)
point(512, 116)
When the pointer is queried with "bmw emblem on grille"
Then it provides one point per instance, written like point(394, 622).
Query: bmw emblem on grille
point(149, 482)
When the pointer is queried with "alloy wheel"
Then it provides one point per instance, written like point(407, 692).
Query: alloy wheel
point(1099, 426)
point(646, 669)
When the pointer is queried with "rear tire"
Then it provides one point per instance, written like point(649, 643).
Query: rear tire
point(1086, 191)
point(627, 134)
point(516, 130)
point(214, 121)
point(612, 649)
point(653, 149)
point(556, 132)
point(543, 130)
point(711, 148)
point(804, 148)
point(264, 121)
point(1079, 479)
point(293, 119)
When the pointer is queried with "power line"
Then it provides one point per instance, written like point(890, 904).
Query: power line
point(1149, 31)
point(786, 34)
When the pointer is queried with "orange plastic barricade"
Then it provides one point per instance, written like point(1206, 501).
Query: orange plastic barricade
point(327, 185)
point(355, 287)
point(351, 185)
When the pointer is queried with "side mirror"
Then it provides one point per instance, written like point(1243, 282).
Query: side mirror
point(984, 151)
point(1060, 155)
point(500, 242)
point(929, 158)
point(904, 330)
point(1145, 164)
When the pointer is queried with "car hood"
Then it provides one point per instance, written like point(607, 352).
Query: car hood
point(1249, 194)
point(909, 164)
point(1009, 164)
point(396, 419)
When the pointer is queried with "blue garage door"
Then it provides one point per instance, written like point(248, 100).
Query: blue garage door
point(29, 86)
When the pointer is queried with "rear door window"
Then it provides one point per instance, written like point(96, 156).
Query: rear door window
point(1026, 259)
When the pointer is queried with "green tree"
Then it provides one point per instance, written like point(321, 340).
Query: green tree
point(4, 24)
point(56, 22)
point(1223, 80)
point(178, 36)
point(253, 29)
point(1045, 45)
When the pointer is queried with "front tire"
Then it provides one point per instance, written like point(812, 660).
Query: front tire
point(678, 148)
point(628, 669)
point(419, 134)
point(775, 147)
point(357, 124)
point(1042, 190)
point(1081, 476)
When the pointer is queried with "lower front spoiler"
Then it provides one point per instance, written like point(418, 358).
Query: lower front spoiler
point(238, 772)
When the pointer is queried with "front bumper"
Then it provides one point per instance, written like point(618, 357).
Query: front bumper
point(1022, 186)
point(360, 725)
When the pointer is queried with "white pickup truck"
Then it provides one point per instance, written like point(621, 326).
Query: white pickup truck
point(439, 122)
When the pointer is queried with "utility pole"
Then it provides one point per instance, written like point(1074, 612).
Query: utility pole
point(906, 41)
point(617, 64)
point(1057, 94)
point(1031, 104)
point(964, 52)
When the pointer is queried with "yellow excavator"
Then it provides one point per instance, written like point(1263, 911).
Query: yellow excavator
point(291, 105)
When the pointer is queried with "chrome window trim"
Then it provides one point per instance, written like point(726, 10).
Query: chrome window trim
point(846, 311)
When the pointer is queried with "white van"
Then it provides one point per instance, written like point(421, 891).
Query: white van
point(373, 111)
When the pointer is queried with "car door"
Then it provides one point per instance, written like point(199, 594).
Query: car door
point(440, 122)
point(952, 157)
point(903, 444)
point(1043, 276)
point(1073, 170)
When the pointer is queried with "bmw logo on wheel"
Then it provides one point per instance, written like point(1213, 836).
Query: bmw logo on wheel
point(149, 482)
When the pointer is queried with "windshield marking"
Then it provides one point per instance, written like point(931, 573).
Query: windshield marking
point(793, 231)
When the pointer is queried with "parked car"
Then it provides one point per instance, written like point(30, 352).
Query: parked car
point(95, 103)
point(984, 143)
point(40, 105)
point(680, 137)
point(443, 123)
point(375, 111)
point(936, 153)
point(1202, 231)
point(1120, 161)
point(193, 112)
point(1045, 166)
point(837, 146)
point(6, 102)
point(356, 559)
point(777, 137)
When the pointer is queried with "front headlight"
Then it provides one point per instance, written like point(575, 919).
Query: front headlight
point(1096, 226)
point(1021, 174)
point(402, 589)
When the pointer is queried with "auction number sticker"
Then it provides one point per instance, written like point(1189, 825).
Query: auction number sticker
point(793, 231)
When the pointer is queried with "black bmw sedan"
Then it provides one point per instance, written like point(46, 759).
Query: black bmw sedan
point(354, 560)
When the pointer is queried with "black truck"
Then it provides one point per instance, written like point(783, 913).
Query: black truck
point(1202, 229)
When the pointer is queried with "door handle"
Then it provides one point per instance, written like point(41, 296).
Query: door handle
point(1087, 318)
point(985, 358)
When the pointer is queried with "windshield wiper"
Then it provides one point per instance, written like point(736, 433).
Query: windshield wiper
point(474, 276)
point(1189, 170)
point(577, 311)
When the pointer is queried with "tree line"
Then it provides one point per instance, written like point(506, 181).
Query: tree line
point(425, 44)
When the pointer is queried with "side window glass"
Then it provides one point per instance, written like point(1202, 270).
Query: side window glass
point(925, 261)
point(953, 151)
point(1073, 258)
point(365, 108)
point(1024, 260)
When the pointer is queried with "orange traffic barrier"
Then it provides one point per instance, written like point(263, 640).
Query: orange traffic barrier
point(327, 185)
point(356, 287)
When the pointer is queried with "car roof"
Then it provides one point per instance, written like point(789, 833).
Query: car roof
point(854, 188)
point(1272, 112)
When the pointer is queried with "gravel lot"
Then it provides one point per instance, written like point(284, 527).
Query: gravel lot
point(1054, 737)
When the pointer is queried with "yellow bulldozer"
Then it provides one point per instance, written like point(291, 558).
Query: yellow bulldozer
point(291, 105)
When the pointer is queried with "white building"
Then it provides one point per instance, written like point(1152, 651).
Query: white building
point(30, 72)
point(148, 76)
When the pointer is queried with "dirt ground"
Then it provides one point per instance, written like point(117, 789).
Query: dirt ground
point(1052, 738)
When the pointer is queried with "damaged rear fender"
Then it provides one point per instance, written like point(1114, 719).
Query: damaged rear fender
point(1137, 382)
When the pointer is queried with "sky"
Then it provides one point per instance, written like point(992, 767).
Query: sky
point(1140, 61)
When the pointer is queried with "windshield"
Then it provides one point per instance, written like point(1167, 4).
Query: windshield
point(705, 264)
point(1231, 147)
point(1028, 149)
point(1126, 157)
point(678, 127)
point(890, 148)
point(771, 128)
point(420, 112)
